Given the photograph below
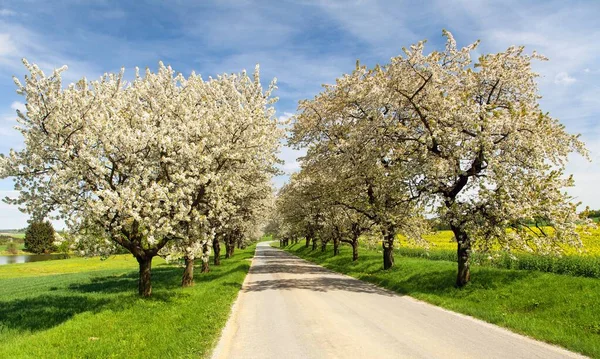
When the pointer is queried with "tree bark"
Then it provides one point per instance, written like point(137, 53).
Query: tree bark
point(229, 249)
point(314, 243)
point(354, 251)
point(336, 246)
point(145, 281)
point(323, 246)
point(188, 272)
point(388, 255)
point(463, 253)
point(388, 248)
point(307, 242)
point(205, 267)
point(217, 250)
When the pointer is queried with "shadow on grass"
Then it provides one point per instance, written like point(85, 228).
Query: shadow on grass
point(98, 293)
point(163, 278)
point(409, 275)
point(46, 311)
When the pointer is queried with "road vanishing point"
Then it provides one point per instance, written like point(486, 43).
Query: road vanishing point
point(291, 308)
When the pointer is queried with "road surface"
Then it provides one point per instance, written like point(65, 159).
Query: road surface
point(290, 308)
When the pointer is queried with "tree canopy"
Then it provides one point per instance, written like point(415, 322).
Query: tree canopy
point(440, 133)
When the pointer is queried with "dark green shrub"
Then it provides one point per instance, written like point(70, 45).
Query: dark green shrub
point(39, 237)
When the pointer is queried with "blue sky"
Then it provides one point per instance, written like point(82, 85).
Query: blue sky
point(304, 44)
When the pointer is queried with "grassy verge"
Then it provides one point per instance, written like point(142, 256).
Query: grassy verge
point(87, 308)
point(558, 309)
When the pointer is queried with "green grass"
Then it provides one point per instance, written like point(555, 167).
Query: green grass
point(87, 308)
point(558, 309)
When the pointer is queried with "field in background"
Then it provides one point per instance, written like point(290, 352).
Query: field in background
point(16, 234)
point(444, 240)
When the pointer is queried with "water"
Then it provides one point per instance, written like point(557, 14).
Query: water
point(26, 258)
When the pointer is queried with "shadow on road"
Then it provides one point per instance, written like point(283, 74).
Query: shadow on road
point(313, 277)
point(317, 284)
point(290, 267)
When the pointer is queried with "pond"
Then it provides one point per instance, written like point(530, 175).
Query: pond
point(26, 258)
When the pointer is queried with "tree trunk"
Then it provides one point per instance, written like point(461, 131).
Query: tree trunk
point(323, 246)
point(314, 244)
point(145, 281)
point(205, 267)
point(188, 273)
point(307, 241)
point(354, 251)
point(389, 235)
point(336, 246)
point(463, 253)
point(217, 250)
point(229, 248)
point(388, 255)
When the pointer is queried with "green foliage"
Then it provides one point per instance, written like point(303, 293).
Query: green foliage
point(88, 308)
point(590, 213)
point(39, 237)
point(558, 309)
point(64, 247)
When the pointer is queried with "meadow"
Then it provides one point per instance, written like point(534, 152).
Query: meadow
point(558, 309)
point(90, 308)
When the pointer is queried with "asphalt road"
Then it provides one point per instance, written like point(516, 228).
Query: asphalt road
point(290, 308)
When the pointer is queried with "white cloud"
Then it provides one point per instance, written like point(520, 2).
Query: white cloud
point(17, 42)
point(7, 12)
point(7, 46)
point(563, 78)
point(17, 105)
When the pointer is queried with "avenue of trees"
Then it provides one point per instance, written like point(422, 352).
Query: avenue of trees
point(178, 166)
point(438, 134)
point(161, 165)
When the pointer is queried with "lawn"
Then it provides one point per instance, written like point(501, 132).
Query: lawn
point(88, 308)
point(558, 309)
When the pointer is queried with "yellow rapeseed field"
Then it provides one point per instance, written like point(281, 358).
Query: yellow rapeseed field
point(445, 240)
